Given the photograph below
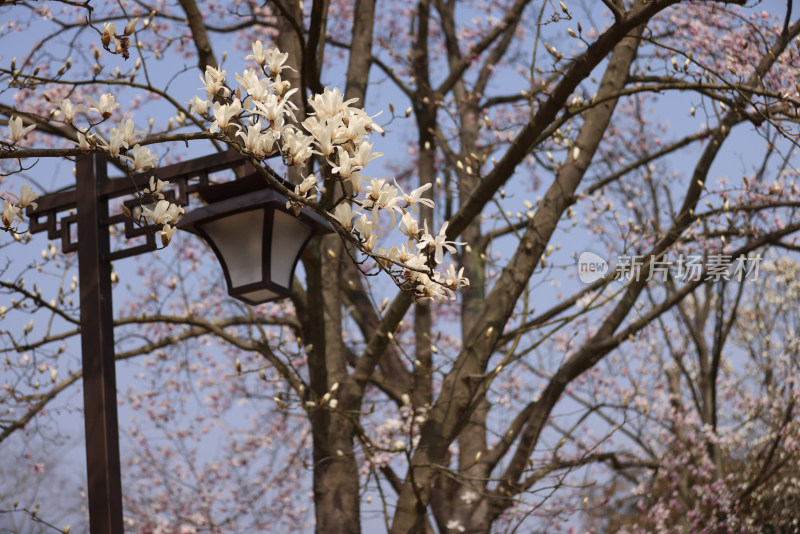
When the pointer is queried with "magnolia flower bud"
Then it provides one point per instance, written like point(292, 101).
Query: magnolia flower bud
point(130, 27)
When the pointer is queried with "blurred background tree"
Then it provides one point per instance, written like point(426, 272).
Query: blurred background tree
point(657, 131)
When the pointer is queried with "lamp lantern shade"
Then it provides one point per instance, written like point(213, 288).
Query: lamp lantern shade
point(257, 240)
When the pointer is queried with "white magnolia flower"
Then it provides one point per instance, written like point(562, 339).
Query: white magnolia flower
point(357, 127)
point(392, 254)
point(198, 105)
point(344, 214)
point(278, 126)
point(10, 213)
point(438, 243)
point(27, 197)
point(116, 141)
point(330, 103)
point(431, 288)
point(415, 263)
point(346, 165)
point(327, 134)
point(69, 110)
point(325, 141)
point(415, 197)
point(126, 129)
point(267, 141)
point(155, 186)
point(409, 225)
point(374, 189)
point(256, 87)
point(382, 196)
point(17, 131)
point(142, 158)
point(166, 234)
point(364, 226)
point(280, 86)
point(406, 256)
point(359, 124)
point(313, 126)
point(306, 185)
point(83, 139)
point(252, 139)
point(275, 61)
point(109, 36)
point(214, 82)
point(455, 280)
point(224, 113)
point(110, 29)
point(387, 195)
point(297, 146)
point(364, 154)
point(369, 243)
point(164, 213)
point(259, 54)
point(373, 126)
point(105, 106)
point(272, 107)
point(356, 180)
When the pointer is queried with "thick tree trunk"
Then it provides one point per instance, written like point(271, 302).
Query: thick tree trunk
point(336, 474)
point(336, 480)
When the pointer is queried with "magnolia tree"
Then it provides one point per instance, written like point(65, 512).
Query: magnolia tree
point(561, 300)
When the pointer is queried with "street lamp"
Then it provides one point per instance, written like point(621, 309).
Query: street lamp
point(255, 237)
point(258, 267)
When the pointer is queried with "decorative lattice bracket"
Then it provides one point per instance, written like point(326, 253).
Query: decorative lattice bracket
point(186, 177)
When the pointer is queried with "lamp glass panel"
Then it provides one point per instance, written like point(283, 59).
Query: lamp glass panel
point(289, 234)
point(259, 295)
point(239, 239)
